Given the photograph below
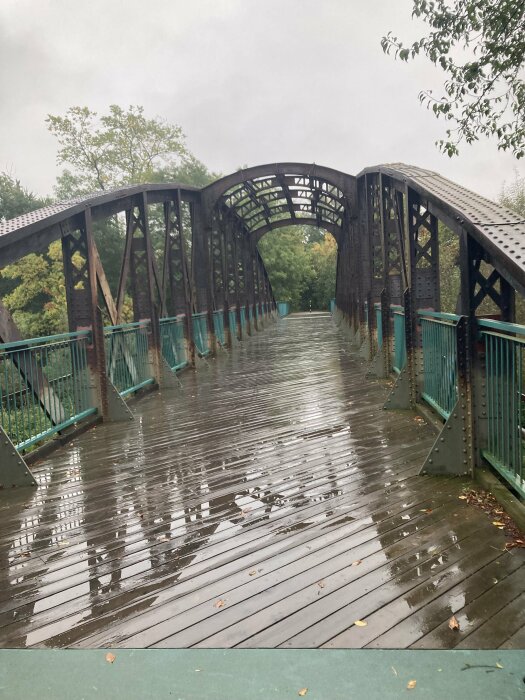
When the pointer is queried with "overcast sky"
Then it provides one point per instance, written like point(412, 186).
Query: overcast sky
point(249, 82)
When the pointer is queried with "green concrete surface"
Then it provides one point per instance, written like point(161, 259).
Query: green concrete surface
point(186, 674)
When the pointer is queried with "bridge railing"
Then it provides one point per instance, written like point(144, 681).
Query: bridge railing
point(504, 345)
point(379, 325)
point(127, 357)
point(283, 308)
point(218, 327)
point(200, 333)
point(232, 317)
point(400, 348)
point(173, 340)
point(440, 362)
point(44, 386)
point(242, 315)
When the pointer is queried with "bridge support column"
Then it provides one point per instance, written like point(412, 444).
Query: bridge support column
point(80, 258)
point(176, 274)
point(143, 279)
point(452, 453)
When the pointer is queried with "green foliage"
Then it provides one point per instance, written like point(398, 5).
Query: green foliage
point(301, 265)
point(38, 298)
point(120, 148)
point(513, 196)
point(449, 271)
point(15, 199)
point(480, 46)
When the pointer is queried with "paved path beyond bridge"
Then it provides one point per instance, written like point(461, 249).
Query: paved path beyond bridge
point(270, 501)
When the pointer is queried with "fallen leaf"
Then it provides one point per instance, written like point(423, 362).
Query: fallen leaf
point(302, 692)
point(411, 685)
point(252, 573)
point(360, 623)
point(393, 670)
point(356, 562)
point(321, 584)
point(463, 498)
point(219, 604)
point(24, 554)
point(405, 517)
point(497, 523)
point(498, 665)
point(453, 623)
point(110, 658)
point(426, 510)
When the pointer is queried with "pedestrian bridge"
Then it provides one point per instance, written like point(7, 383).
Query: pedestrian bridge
point(254, 478)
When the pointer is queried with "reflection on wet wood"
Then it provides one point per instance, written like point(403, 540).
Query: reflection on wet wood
point(269, 502)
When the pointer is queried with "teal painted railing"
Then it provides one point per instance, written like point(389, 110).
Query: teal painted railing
point(440, 365)
point(366, 313)
point(400, 347)
point(504, 348)
point(332, 306)
point(232, 315)
point(242, 314)
point(127, 360)
point(379, 325)
point(218, 326)
point(283, 308)
point(200, 333)
point(173, 341)
point(44, 386)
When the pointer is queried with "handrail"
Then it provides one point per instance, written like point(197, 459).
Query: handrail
point(44, 339)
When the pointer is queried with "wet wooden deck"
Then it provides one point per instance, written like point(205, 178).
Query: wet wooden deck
point(269, 501)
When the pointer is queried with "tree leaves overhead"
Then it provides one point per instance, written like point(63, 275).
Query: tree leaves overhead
point(119, 148)
point(480, 46)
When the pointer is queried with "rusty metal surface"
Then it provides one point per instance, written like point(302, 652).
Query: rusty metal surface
point(61, 212)
point(500, 230)
point(268, 502)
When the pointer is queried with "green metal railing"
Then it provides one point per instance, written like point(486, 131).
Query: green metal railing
point(173, 341)
point(504, 348)
point(400, 347)
point(331, 306)
point(232, 315)
point(283, 308)
point(250, 317)
point(44, 386)
point(127, 358)
point(242, 314)
point(218, 326)
point(440, 363)
point(200, 333)
point(379, 325)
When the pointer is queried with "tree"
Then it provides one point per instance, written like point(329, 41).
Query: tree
point(120, 148)
point(288, 263)
point(512, 195)
point(15, 199)
point(301, 264)
point(480, 46)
